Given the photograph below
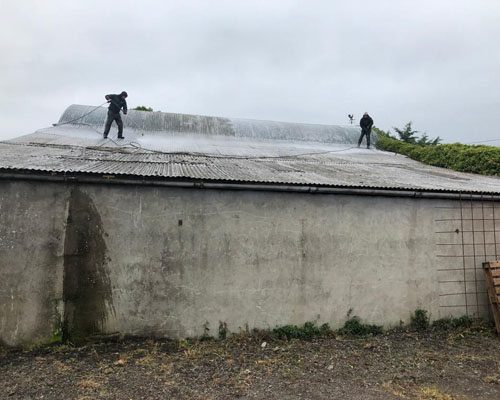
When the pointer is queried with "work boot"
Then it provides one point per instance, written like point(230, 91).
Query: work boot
point(104, 136)
point(121, 137)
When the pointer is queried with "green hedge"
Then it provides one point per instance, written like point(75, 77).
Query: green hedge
point(483, 160)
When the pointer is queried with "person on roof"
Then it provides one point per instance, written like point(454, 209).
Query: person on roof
point(116, 103)
point(366, 128)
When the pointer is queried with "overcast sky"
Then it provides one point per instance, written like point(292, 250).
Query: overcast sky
point(433, 62)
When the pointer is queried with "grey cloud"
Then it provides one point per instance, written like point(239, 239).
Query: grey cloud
point(315, 61)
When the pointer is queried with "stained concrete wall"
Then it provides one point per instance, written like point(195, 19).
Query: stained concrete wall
point(161, 261)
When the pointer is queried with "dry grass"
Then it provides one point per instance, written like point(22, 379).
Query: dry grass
point(89, 383)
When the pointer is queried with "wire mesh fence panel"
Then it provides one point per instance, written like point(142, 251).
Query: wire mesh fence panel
point(467, 233)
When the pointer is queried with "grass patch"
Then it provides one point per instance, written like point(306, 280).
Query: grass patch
point(432, 393)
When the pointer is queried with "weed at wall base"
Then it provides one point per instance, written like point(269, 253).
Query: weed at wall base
point(354, 327)
point(307, 332)
point(420, 320)
point(222, 330)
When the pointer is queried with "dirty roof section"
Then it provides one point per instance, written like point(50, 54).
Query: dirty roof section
point(179, 146)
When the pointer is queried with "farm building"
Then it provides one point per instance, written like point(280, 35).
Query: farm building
point(196, 222)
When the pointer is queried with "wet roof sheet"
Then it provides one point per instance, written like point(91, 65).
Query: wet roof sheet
point(171, 146)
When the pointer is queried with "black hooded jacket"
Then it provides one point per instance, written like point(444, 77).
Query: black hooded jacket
point(117, 102)
point(366, 123)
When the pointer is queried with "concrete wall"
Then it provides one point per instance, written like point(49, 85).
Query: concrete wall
point(32, 226)
point(165, 261)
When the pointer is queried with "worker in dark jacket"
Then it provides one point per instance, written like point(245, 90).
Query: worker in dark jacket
point(366, 128)
point(116, 103)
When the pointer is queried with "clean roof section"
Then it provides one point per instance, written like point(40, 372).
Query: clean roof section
point(169, 146)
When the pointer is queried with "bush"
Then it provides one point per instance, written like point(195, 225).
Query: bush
point(142, 108)
point(484, 160)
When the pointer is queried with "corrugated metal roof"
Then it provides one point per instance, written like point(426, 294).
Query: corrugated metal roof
point(238, 155)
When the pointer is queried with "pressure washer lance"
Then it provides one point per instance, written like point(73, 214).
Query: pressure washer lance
point(80, 117)
point(132, 144)
point(139, 147)
point(137, 127)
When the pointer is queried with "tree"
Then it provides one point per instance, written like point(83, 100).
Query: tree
point(425, 141)
point(142, 108)
point(408, 135)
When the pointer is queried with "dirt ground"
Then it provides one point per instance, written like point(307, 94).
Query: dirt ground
point(462, 364)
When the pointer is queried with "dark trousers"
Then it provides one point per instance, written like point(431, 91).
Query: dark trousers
point(113, 117)
point(363, 133)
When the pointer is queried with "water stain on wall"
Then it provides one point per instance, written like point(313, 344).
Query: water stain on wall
point(87, 287)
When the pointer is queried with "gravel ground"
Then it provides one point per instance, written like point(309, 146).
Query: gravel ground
point(462, 364)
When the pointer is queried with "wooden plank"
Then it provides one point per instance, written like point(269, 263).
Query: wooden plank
point(491, 264)
point(496, 281)
point(495, 272)
point(493, 299)
point(497, 291)
point(496, 317)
